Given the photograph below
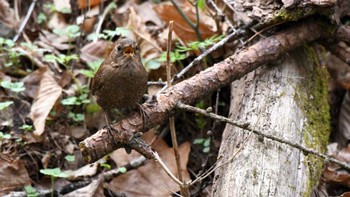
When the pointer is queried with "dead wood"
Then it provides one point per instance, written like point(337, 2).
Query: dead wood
point(205, 82)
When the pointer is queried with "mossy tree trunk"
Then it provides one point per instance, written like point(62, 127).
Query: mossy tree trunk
point(290, 102)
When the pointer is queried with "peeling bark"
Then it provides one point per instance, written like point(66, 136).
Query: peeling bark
point(289, 101)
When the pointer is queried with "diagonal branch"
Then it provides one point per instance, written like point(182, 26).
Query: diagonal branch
point(205, 82)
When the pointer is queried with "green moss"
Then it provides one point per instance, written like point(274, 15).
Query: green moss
point(312, 98)
point(299, 13)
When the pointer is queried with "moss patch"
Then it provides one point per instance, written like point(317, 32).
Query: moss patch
point(312, 98)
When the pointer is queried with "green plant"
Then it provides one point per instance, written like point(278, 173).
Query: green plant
point(53, 173)
point(93, 68)
point(69, 158)
point(4, 136)
point(7, 45)
point(180, 51)
point(77, 117)
point(106, 165)
point(5, 104)
point(110, 34)
point(30, 191)
point(52, 8)
point(205, 142)
point(71, 31)
point(14, 87)
point(26, 128)
point(41, 18)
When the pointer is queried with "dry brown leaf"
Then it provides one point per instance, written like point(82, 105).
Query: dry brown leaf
point(83, 3)
point(7, 19)
point(150, 180)
point(149, 47)
point(49, 92)
point(94, 51)
point(183, 30)
point(13, 174)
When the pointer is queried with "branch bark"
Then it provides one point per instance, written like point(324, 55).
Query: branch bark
point(192, 89)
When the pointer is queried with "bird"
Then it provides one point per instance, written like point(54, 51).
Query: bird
point(121, 80)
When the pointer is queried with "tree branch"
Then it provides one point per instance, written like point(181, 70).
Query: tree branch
point(205, 82)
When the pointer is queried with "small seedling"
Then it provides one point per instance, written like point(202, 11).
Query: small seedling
point(14, 87)
point(26, 128)
point(77, 117)
point(4, 136)
point(5, 104)
point(69, 158)
point(110, 34)
point(106, 165)
point(93, 68)
point(53, 173)
point(30, 191)
point(205, 143)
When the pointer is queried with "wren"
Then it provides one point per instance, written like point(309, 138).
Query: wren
point(121, 80)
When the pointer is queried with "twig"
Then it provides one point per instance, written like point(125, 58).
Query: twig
point(195, 27)
point(132, 165)
point(338, 51)
point(218, 11)
point(156, 83)
point(183, 190)
point(109, 8)
point(245, 126)
point(202, 56)
point(166, 169)
point(25, 21)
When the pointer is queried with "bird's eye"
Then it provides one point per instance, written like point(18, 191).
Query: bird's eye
point(137, 47)
point(119, 48)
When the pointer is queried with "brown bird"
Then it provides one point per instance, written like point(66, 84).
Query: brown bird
point(121, 80)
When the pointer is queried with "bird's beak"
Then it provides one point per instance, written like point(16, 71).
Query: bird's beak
point(128, 50)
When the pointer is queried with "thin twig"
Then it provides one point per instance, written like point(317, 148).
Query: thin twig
point(25, 21)
point(109, 8)
point(171, 118)
point(202, 56)
point(161, 83)
point(218, 11)
point(195, 27)
point(245, 126)
point(165, 168)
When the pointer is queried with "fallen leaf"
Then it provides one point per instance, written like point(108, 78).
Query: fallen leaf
point(13, 174)
point(83, 3)
point(150, 180)
point(181, 28)
point(49, 92)
point(94, 189)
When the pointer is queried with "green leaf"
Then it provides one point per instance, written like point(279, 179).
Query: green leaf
point(26, 127)
point(206, 142)
point(123, 31)
point(95, 65)
point(198, 141)
point(55, 172)
point(106, 165)
point(122, 169)
point(14, 87)
point(41, 18)
point(65, 10)
point(76, 117)
point(69, 158)
point(201, 4)
point(50, 58)
point(73, 100)
point(30, 191)
point(6, 136)
point(5, 104)
point(206, 149)
point(94, 36)
point(153, 64)
point(87, 73)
